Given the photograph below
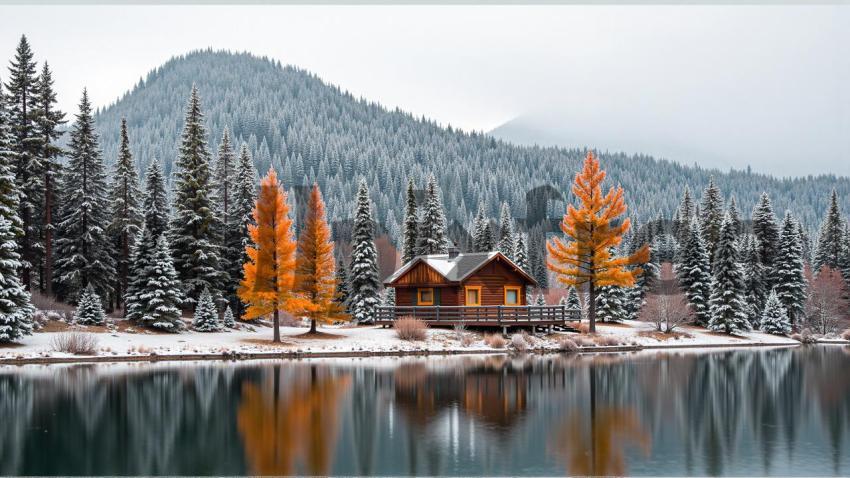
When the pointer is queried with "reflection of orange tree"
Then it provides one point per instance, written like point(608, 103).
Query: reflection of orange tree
point(597, 449)
point(300, 424)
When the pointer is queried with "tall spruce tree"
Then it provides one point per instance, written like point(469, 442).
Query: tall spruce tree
point(83, 251)
point(22, 104)
point(364, 282)
point(755, 288)
point(684, 213)
point(193, 237)
point(48, 121)
point(506, 232)
point(728, 310)
point(244, 198)
point(694, 274)
point(521, 252)
point(845, 256)
point(411, 225)
point(790, 277)
point(9, 193)
point(126, 214)
point(16, 310)
point(711, 209)
point(432, 222)
point(478, 226)
point(153, 295)
point(155, 201)
point(735, 216)
point(223, 184)
point(830, 238)
point(343, 293)
point(766, 230)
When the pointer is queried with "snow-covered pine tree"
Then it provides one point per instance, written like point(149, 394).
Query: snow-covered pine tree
point(126, 216)
point(521, 252)
point(610, 304)
point(540, 299)
point(728, 310)
point(83, 251)
point(845, 256)
point(711, 209)
point(206, 314)
point(766, 230)
point(48, 121)
point(478, 225)
point(223, 183)
point(537, 259)
point(774, 319)
point(694, 273)
point(755, 290)
point(16, 310)
point(364, 283)
point(572, 299)
point(154, 297)
point(487, 239)
point(244, 198)
point(790, 278)
point(9, 193)
point(342, 290)
point(806, 242)
point(506, 232)
point(229, 321)
point(735, 216)
point(684, 213)
point(89, 308)
point(193, 237)
point(432, 223)
point(830, 237)
point(411, 225)
point(388, 297)
point(28, 168)
point(155, 201)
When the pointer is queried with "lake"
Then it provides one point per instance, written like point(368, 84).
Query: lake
point(742, 412)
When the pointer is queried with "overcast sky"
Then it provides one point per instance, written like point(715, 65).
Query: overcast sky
point(768, 85)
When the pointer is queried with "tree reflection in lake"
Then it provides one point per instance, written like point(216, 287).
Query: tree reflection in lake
point(772, 411)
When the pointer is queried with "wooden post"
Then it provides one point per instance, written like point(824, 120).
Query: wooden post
point(437, 318)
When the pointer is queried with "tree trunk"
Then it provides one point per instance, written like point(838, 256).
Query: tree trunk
point(591, 308)
point(276, 326)
point(312, 326)
point(48, 236)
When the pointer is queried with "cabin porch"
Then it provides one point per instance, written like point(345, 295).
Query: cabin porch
point(503, 316)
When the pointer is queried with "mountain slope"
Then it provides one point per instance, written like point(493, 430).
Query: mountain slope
point(309, 130)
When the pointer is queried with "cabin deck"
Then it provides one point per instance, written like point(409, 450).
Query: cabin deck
point(482, 316)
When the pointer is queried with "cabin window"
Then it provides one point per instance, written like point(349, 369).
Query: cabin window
point(512, 295)
point(473, 295)
point(425, 296)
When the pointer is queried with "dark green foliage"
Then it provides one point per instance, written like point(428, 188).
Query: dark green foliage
point(790, 278)
point(694, 274)
point(126, 220)
point(728, 309)
point(89, 308)
point(766, 230)
point(830, 237)
point(411, 226)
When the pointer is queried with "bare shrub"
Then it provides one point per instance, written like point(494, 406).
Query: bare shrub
point(460, 331)
point(846, 334)
point(666, 306)
point(826, 305)
point(805, 336)
point(77, 343)
point(583, 328)
point(519, 343)
point(583, 341)
point(495, 341)
point(529, 339)
point(607, 340)
point(408, 328)
point(467, 340)
point(43, 302)
point(567, 344)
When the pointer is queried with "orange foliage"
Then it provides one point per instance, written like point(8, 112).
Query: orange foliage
point(314, 265)
point(269, 277)
point(594, 232)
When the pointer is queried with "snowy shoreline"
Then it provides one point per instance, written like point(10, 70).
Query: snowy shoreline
point(118, 344)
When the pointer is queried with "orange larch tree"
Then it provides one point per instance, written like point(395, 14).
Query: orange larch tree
point(315, 279)
point(593, 230)
point(269, 272)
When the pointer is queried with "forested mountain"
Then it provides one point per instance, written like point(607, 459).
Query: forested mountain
point(309, 130)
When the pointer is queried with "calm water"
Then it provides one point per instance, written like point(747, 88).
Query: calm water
point(777, 412)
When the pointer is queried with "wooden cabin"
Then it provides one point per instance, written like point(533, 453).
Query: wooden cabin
point(481, 289)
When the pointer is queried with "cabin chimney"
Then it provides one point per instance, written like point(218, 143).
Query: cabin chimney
point(453, 251)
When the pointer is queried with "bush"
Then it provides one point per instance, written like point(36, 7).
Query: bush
point(846, 334)
point(495, 341)
point(582, 328)
point(467, 340)
point(77, 343)
point(408, 328)
point(583, 341)
point(460, 330)
point(567, 344)
point(805, 337)
point(529, 339)
point(518, 343)
point(607, 340)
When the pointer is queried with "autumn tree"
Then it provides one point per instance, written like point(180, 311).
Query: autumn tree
point(267, 286)
point(593, 231)
point(314, 264)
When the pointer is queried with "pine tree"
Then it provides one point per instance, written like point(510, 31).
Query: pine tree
point(22, 106)
point(342, 292)
point(830, 237)
point(314, 264)
point(365, 285)
point(16, 310)
point(478, 225)
point(766, 231)
point(712, 217)
point(206, 314)
point(540, 299)
point(694, 273)
point(223, 185)
point(83, 251)
point(155, 201)
point(845, 256)
point(755, 289)
point(571, 300)
point(389, 297)
point(432, 223)
point(244, 197)
point(153, 290)
point(684, 213)
point(48, 121)
point(411, 226)
point(537, 260)
point(9, 193)
point(89, 309)
point(728, 310)
point(790, 278)
point(774, 319)
point(228, 321)
point(735, 216)
point(126, 217)
point(194, 241)
point(506, 232)
point(486, 239)
point(521, 253)
point(587, 258)
point(610, 304)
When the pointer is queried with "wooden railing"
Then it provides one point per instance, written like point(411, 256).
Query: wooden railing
point(496, 315)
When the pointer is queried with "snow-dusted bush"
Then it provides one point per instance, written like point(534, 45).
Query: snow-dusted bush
point(495, 341)
point(89, 309)
point(206, 314)
point(607, 340)
point(77, 343)
point(583, 341)
point(408, 328)
point(805, 336)
point(567, 344)
point(518, 343)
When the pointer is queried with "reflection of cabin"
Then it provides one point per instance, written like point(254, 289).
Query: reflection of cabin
point(477, 289)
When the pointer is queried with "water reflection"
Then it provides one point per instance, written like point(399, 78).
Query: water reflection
point(777, 411)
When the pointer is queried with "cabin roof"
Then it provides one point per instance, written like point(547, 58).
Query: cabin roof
point(458, 268)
